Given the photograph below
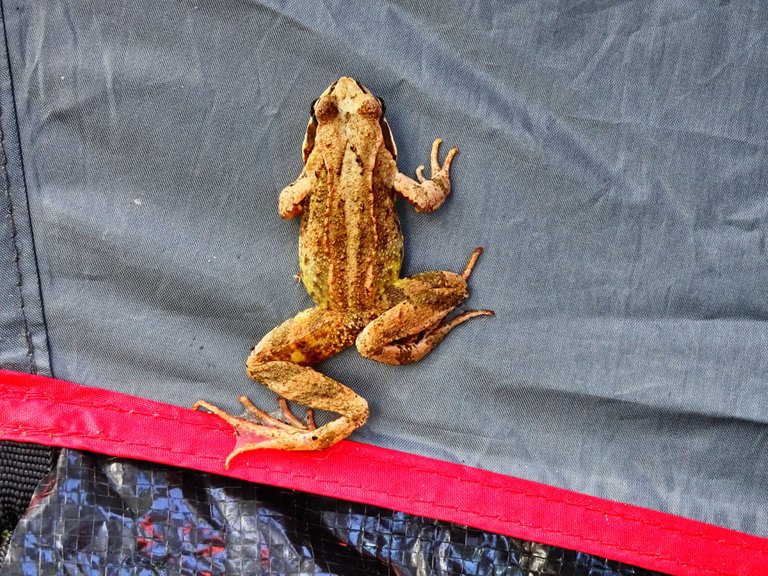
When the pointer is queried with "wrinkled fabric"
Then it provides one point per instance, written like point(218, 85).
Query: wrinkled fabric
point(613, 165)
point(98, 515)
point(23, 338)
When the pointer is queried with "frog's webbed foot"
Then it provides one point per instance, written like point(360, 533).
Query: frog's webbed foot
point(281, 362)
point(271, 432)
point(415, 322)
point(288, 420)
point(428, 193)
point(267, 431)
point(303, 385)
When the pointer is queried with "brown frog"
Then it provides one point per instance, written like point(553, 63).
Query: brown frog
point(350, 251)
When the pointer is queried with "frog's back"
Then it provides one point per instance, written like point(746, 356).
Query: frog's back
point(351, 245)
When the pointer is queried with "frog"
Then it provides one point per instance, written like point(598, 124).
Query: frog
point(350, 258)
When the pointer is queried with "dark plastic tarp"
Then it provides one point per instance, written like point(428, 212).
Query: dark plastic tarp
point(98, 515)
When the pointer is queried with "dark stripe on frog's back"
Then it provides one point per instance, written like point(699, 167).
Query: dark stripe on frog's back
point(348, 228)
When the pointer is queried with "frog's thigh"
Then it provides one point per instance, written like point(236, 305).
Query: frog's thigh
point(308, 338)
point(417, 307)
point(281, 362)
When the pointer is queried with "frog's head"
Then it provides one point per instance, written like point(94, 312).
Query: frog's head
point(345, 99)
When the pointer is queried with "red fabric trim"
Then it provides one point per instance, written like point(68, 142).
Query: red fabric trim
point(59, 413)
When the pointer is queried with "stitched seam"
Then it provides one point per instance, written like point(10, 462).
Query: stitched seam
point(15, 255)
point(469, 512)
point(53, 432)
point(389, 461)
point(104, 408)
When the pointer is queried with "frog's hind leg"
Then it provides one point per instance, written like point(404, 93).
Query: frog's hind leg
point(414, 322)
point(281, 361)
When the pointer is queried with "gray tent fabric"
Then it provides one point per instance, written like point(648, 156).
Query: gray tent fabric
point(612, 164)
point(23, 342)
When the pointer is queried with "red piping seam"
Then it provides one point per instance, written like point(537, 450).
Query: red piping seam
point(541, 528)
point(387, 461)
point(53, 432)
point(26, 389)
point(361, 488)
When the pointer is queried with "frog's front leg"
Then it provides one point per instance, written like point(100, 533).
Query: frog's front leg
point(281, 362)
point(427, 194)
point(413, 324)
point(291, 200)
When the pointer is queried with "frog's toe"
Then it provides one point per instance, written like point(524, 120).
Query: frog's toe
point(273, 434)
point(287, 421)
point(251, 437)
point(297, 440)
point(435, 159)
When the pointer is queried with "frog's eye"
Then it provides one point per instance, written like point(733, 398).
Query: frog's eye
point(325, 109)
point(383, 107)
point(370, 108)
